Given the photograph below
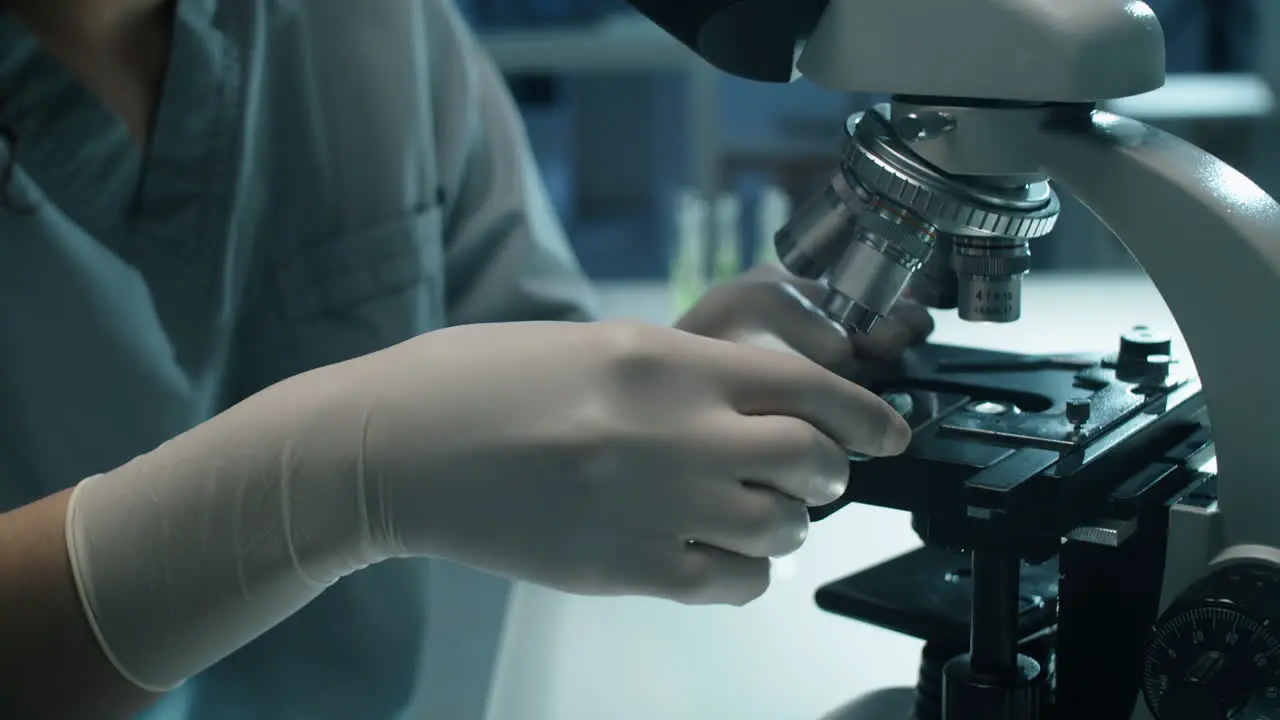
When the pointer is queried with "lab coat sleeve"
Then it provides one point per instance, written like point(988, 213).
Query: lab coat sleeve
point(506, 255)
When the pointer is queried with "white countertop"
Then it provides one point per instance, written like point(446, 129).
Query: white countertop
point(781, 658)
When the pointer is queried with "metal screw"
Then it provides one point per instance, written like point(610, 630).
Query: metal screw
point(1078, 411)
point(925, 127)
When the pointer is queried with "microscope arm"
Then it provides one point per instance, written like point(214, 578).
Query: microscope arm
point(1210, 240)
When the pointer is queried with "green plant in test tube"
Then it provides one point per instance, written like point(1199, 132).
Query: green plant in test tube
point(687, 275)
point(728, 233)
point(772, 212)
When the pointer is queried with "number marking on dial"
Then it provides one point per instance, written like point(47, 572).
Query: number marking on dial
point(1243, 653)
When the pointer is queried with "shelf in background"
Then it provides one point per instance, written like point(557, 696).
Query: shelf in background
point(1201, 97)
point(621, 44)
point(725, 133)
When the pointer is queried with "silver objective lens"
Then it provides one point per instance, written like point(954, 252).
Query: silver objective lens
point(935, 284)
point(809, 244)
point(887, 246)
point(989, 273)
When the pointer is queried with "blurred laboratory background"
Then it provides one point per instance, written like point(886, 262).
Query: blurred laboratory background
point(629, 127)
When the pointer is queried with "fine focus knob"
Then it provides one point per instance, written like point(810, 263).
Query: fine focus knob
point(1208, 690)
point(1214, 654)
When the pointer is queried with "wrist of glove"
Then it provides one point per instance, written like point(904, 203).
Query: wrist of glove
point(191, 551)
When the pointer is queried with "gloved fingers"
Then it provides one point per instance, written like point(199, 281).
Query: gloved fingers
point(793, 457)
point(767, 273)
point(705, 575)
point(769, 302)
point(778, 309)
point(764, 303)
point(915, 316)
point(887, 341)
point(908, 324)
point(748, 519)
point(764, 382)
point(912, 313)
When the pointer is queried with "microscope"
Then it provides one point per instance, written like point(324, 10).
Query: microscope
point(1094, 548)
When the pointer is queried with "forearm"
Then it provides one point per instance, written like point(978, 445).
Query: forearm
point(148, 574)
point(51, 665)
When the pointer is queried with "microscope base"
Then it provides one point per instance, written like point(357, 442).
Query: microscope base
point(887, 704)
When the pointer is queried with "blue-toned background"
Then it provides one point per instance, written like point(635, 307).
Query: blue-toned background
point(615, 145)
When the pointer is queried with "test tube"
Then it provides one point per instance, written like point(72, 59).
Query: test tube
point(728, 230)
point(687, 278)
point(772, 212)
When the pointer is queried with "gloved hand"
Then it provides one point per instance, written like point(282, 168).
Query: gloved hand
point(771, 308)
point(603, 458)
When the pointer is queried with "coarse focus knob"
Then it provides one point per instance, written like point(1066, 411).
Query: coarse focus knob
point(1214, 654)
point(1207, 691)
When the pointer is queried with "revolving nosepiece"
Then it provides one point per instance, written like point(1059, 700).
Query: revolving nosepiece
point(888, 221)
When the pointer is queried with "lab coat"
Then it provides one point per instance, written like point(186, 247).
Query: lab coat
point(326, 178)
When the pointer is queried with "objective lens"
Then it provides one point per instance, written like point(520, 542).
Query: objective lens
point(805, 244)
point(990, 272)
point(889, 244)
point(935, 284)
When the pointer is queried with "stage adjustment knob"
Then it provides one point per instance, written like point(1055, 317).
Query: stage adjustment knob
point(1215, 653)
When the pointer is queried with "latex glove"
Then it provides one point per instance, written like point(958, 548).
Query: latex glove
point(605, 458)
point(770, 308)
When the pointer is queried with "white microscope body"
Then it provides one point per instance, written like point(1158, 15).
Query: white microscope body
point(1208, 237)
point(991, 101)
